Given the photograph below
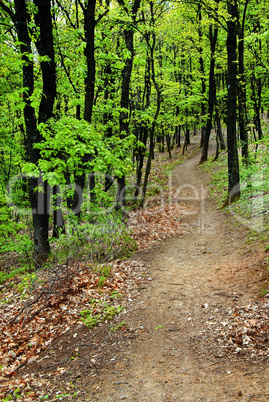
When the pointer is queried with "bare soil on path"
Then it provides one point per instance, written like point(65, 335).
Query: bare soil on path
point(195, 327)
point(193, 282)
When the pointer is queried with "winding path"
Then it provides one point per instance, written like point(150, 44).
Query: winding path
point(192, 280)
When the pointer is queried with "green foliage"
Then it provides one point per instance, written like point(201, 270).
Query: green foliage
point(4, 276)
point(102, 240)
point(75, 146)
point(26, 282)
point(119, 326)
point(252, 208)
point(104, 272)
point(115, 294)
point(110, 311)
point(106, 312)
point(8, 398)
point(21, 244)
point(88, 319)
point(15, 238)
point(172, 53)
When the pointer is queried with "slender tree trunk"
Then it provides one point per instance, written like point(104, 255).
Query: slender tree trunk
point(89, 28)
point(125, 91)
point(233, 164)
point(141, 161)
point(45, 48)
point(168, 143)
point(124, 116)
point(202, 70)
point(242, 110)
point(89, 31)
point(144, 128)
point(158, 107)
point(57, 212)
point(219, 130)
point(212, 92)
point(39, 200)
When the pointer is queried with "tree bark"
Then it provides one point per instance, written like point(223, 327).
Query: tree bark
point(233, 164)
point(242, 110)
point(89, 28)
point(158, 107)
point(202, 70)
point(212, 92)
point(43, 19)
point(39, 200)
point(125, 91)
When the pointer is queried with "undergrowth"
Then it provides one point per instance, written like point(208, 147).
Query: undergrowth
point(98, 237)
point(252, 209)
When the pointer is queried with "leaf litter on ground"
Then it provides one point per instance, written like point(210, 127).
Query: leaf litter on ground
point(30, 323)
point(51, 305)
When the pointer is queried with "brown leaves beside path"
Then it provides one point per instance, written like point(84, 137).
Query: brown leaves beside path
point(43, 316)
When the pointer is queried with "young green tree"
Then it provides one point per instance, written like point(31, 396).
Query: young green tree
point(21, 18)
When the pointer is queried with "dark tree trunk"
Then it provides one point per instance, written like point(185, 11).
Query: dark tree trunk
point(124, 117)
point(141, 161)
point(89, 31)
point(39, 200)
point(212, 92)
point(109, 93)
point(218, 106)
point(233, 164)
point(219, 130)
point(45, 47)
point(144, 129)
point(125, 92)
point(187, 136)
point(178, 136)
point(168, 143)
point(202, 70)
point(89, 28)
point(242, 110)
point(158, 107)
point(57, 212)
point(256, 98)
point(160, 139)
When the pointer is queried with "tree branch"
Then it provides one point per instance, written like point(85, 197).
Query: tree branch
point(7, 10)
point(101, 16)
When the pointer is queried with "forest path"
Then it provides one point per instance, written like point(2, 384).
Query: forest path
point(192, 280)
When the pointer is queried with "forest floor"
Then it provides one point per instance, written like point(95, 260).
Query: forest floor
point(194, 329)
point(192, 322)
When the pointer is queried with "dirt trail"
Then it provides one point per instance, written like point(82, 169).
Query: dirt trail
point(192, 279)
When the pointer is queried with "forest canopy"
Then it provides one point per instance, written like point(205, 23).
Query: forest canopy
point(91, 89)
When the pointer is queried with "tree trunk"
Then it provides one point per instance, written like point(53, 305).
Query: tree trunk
point(212, 92)
point(233, 164)
point(89, 28)
point(57, 212)
point(168, 143)
point(125, 91)
point(202, 70)
point(144, 131)
point(242, 110)
point(158, 107)
point(39, 200)
point(45, 47)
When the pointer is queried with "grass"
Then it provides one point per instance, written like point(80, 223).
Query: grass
point(251, 210)
point(106, 312)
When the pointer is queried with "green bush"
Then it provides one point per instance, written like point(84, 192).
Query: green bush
point(102, 240)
